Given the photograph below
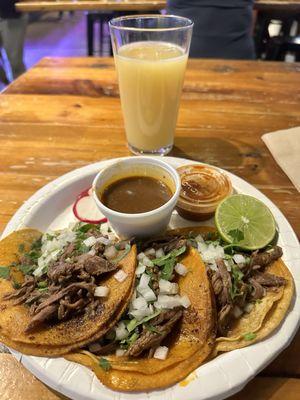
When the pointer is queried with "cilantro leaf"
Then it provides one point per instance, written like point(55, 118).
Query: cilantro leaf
point(21, 248)
point(104, 364)
point(124, 254)
point(42, 284)
point(4, 272)
point(85, 228)
point(16, 285)
point(211, 236)
point(132, 338)
point(49, 237)
point(237, 235)
point(35, 251)
point(237, 276)
point(168, 269)
point(250, 336)
point(26, 269)
point(174, 253)
point(152, 328)
point(81, 248)
point(133, 323)
point(36, 245)
point(178, 252)
point(45, 289)
point(126, 343)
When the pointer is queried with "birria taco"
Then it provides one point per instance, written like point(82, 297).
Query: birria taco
point(61, 290)
point(168, 329)
point(252, 290)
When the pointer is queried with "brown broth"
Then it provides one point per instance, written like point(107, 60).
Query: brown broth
point(135, 194)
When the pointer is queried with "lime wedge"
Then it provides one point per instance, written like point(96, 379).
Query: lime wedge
point(245, 221)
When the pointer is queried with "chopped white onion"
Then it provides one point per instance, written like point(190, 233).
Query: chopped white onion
point(151, 308)
point(140, 269)
point(166, 301)
point(181, 269)
point(103, 240)
point(150, 252)
point(202, 247)
point(211, 252)
point(140, 314)
point(51, 248)
point(110, 252)
point(166, 287)
point(146, 261)
point(147, 293)
point(237, 312)
point(121, 331)
point(90, 241)
point(161, 353)
point(199, 238)
point(185, 301)
point(239, 259)
point(94, 347)
point(92, 252)
point(101, 291)
point(159, 253)
point(227, 265)
point(144, 281)
point(111, 236)
point(140, 256)
point(120, 276)
point(248, 307)
point(120, 352)
point(104, 228)
point(139, 303)
point(213, 266)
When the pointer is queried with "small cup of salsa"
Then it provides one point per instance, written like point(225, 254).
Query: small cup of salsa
point(137, 195)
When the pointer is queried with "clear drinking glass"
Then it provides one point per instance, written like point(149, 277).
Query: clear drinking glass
point(150, 54)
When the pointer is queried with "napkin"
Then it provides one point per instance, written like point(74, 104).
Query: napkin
point(285, 148)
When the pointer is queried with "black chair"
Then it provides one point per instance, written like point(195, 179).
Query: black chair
point(100, 18)
point(3, 74)
point(261, 32)
point(279, 46)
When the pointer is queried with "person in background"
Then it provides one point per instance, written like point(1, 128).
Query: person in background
point(12, 35)
point(222, 28)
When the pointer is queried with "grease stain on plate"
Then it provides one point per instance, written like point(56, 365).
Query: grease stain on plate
point(190, 378)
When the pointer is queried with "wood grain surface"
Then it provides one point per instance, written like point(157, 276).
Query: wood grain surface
point(89, 5)
point(132, 5)
point(65, 113)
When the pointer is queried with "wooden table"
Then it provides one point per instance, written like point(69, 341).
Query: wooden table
point(129, 5)
point(65, 113)
point(284, 5)
point(89, 5)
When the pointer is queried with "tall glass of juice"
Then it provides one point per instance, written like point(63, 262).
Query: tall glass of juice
point(150, 54)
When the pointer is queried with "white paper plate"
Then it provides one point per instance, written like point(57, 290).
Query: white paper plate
point(50, 207)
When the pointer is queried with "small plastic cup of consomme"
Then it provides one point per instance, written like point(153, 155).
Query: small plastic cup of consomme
point(137, 195)
point(202, 189)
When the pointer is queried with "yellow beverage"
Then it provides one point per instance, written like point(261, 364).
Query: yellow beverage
point(150, 79)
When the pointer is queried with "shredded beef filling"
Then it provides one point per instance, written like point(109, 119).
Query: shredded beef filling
point(252, 285)
point(67, 289)
point(151, 339)
point(167, 243)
